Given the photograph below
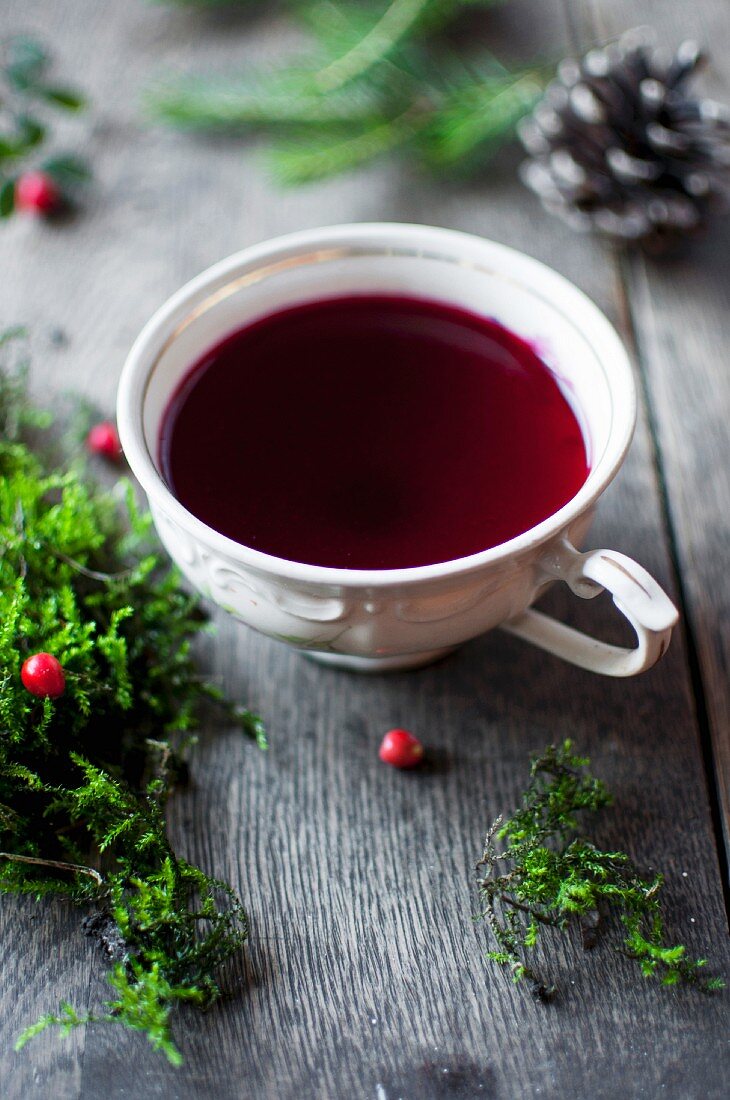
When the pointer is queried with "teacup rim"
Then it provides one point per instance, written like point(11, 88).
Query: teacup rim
point(163, 325)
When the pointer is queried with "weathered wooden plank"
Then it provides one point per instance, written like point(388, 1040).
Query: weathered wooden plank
point(365, 974)
point(679, 310)
point(43, 960)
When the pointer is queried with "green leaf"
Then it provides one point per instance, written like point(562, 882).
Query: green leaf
point(7, 198)
point(67, 170)
point(63, 97)
point(29, 133)
point(27, 61)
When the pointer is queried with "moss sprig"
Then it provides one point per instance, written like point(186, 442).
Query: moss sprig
point(84, 778)
point(547, 874)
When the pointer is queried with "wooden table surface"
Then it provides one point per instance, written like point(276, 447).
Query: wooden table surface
point(365, 975)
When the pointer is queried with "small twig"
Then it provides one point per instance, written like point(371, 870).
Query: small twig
point(164, 751)
point(58, 864)
point(19, 519)
point(526, 909)
point(488, 855)
point(539, 990)
point(92, 574)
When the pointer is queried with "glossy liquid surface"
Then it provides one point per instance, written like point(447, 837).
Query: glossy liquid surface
point(372, 432)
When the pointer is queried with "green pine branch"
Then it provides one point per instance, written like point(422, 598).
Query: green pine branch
point(377, 81)
point(547, 874)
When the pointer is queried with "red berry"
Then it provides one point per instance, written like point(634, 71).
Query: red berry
point(401, 749)
point(43, 675)
point(37, 192)
point(103, 439)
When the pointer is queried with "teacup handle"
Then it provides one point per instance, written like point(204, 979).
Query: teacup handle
point(635, 593)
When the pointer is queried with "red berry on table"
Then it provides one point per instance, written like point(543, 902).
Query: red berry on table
point(401, 749)
point(37, 192)
point(43, 675)
point(103, 439)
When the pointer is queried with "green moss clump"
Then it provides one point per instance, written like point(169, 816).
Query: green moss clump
point(84, 778)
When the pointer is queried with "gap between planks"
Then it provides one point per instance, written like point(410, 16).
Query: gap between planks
point(686, 624)
point(593, 18)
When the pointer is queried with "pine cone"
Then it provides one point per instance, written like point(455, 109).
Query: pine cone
point(618, 145)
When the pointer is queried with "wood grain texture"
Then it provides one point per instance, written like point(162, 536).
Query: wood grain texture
point(365, 974)
point(679, 311)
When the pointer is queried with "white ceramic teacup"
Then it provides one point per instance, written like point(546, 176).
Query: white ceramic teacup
point(375, 620)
